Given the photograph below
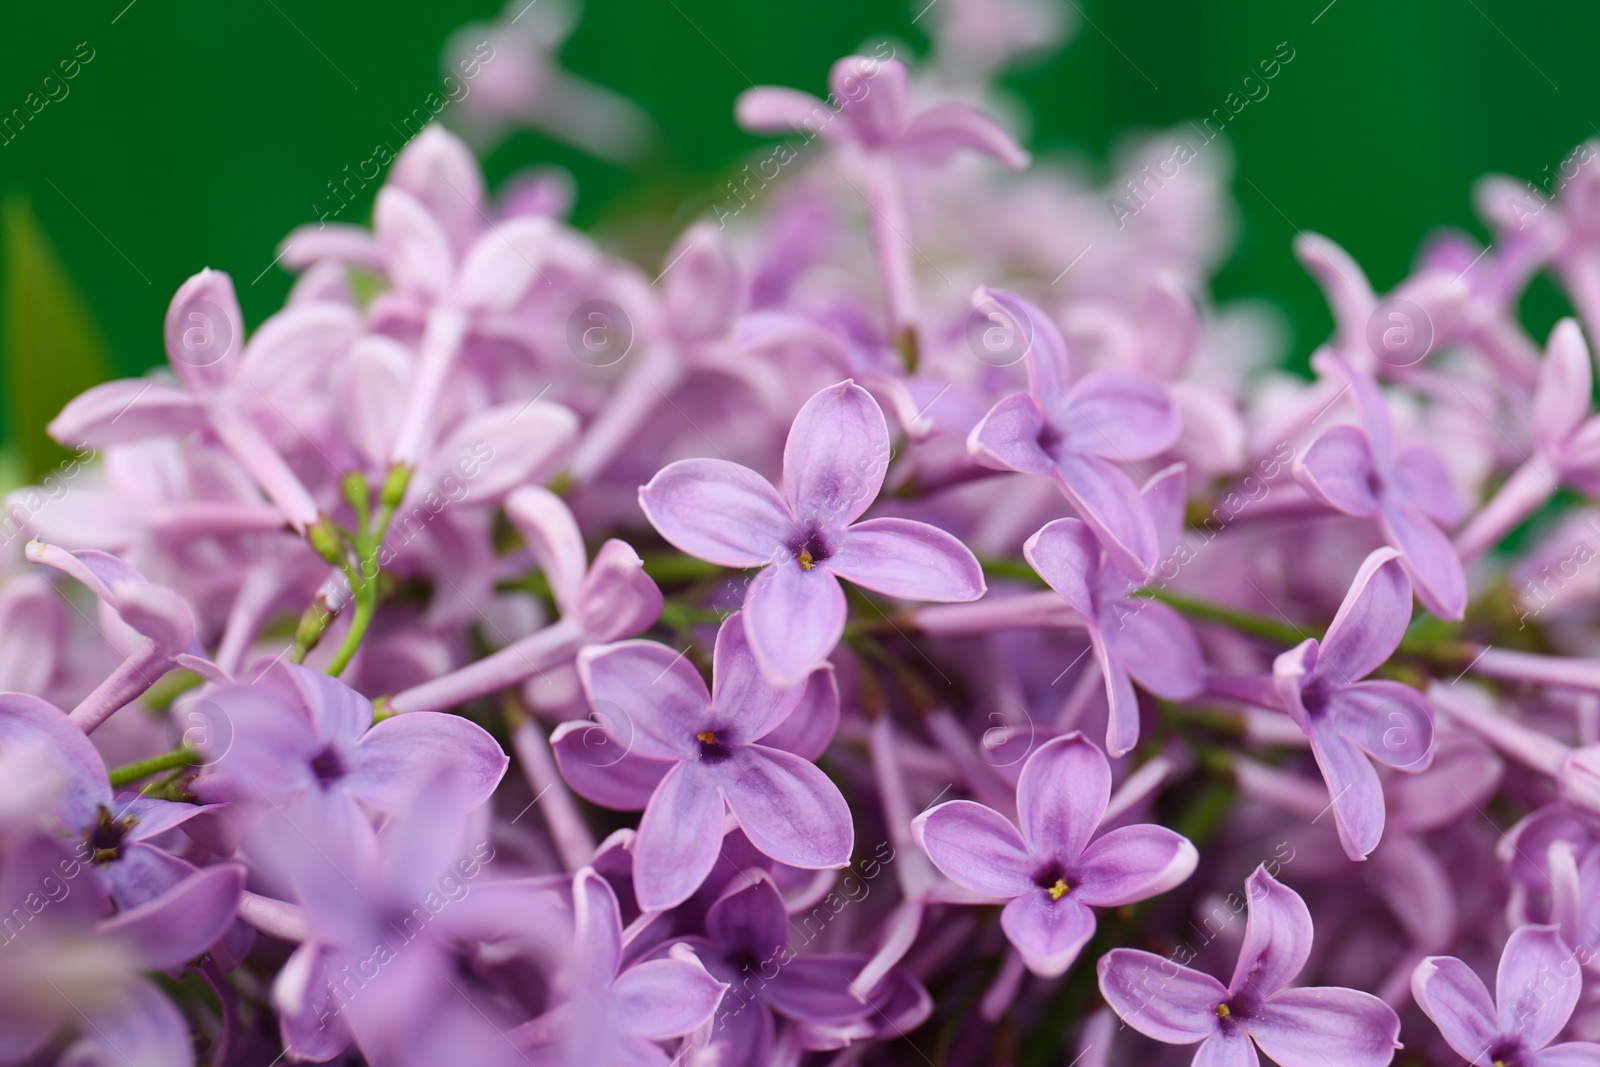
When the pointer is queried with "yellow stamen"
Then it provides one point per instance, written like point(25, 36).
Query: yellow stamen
point(1222, 1011)
point(706, 738)
point(807, 561)
point(1060, 889)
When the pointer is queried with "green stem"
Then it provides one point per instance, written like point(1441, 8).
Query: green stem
point(167, 761)
point(1284, 633)
point(368, 543)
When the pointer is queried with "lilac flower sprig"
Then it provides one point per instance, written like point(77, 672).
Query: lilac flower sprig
point(1058, 866)
point(1297, 1027)
point(809, 536)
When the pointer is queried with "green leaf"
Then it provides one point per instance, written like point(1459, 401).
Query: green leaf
point(50, 345)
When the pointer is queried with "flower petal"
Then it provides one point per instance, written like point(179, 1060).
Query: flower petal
point(1155, 645)
point(1066, 554)
point(1456, 1000)
point(1388, 721)
point(141, 1028)
point(1046, 351)
point(597, 929)
point(872, 95)
point(1119, 416)
point(750, 917)
point(204, 331)
point(1565, 389)
point(810, 727)
point(788, 808)
point(551, 532)
point(1277, 937)
point(937, 133)
point(775, 109)
point(601, 768)
point(1110, 503)
point(1423, 481)
point(1007, 438)
point(398, 756)
point(1049, 934)
point(1337, 469)
point(1354, 791)
point(659, 999)
point(617, 598)
point(129, 410)
point(1159, 998)
point(1226, 1049)
point(679, 838)
point(1537, 984)
point(1313, 1027)
point(976, 847)
point(1061, 796)
point(744, 704)
point(718, 511)
point(907, 559)
point(835, 458)
point(183, 922)
point(1570, 1054)
point(1429, 558)
point(1369, 623)
point(794, 618)
point(1133, 863)
point(649, 693)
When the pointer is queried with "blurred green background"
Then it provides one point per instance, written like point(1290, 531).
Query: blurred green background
point(200, 133)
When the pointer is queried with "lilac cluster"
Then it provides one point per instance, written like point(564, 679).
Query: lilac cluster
point(924, 626)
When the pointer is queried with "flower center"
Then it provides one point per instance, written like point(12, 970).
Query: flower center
point(1222, 1011)
point(105, 838)
point(712, 748)
point(1059, 890)
point(810, 550)
point(1053, 880)
point(328, 766)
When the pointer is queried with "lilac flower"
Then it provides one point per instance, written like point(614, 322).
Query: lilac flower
point(1409, 496)
point(399, 941)
point(1132, 636)
point(1536, 989)
point(1566, 444)
point(68, 968)
point(1076, 434)
point(306, 745)
point(616, 1013)
point(748, 947)
point(1055, 868)
point(807, 538)
point(224, 383)
point(1305, 1027)
point(868, 111)
point(114, 837)
point(1347, 719)
point(712, 749)
point(158, 620)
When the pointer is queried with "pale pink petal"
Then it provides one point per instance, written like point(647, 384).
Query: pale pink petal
point(1338, 471)
point(941, 131)
point(773, 109)
point(1109, 502)
point(1061, 795)
point(1007, 438)
point(835, 458)
point(1430, 559)
point(1277, 937)
point(1155, 645)
point(1066, 555)
point(1564, 393)
point(679, 838)
point(907, 559)
point(794, 618)
point(127, 410)
point(205, 332)
point(649, 693)
point(976, 848)
point(788, 808)
point(1119, 416)
point(719, 512)
point(1159, 998)
point(872, 93)
point(1048, 933)
point(1423, 481)
point(1312, 1027)
point(1456, 1000)
point(1370, 622)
